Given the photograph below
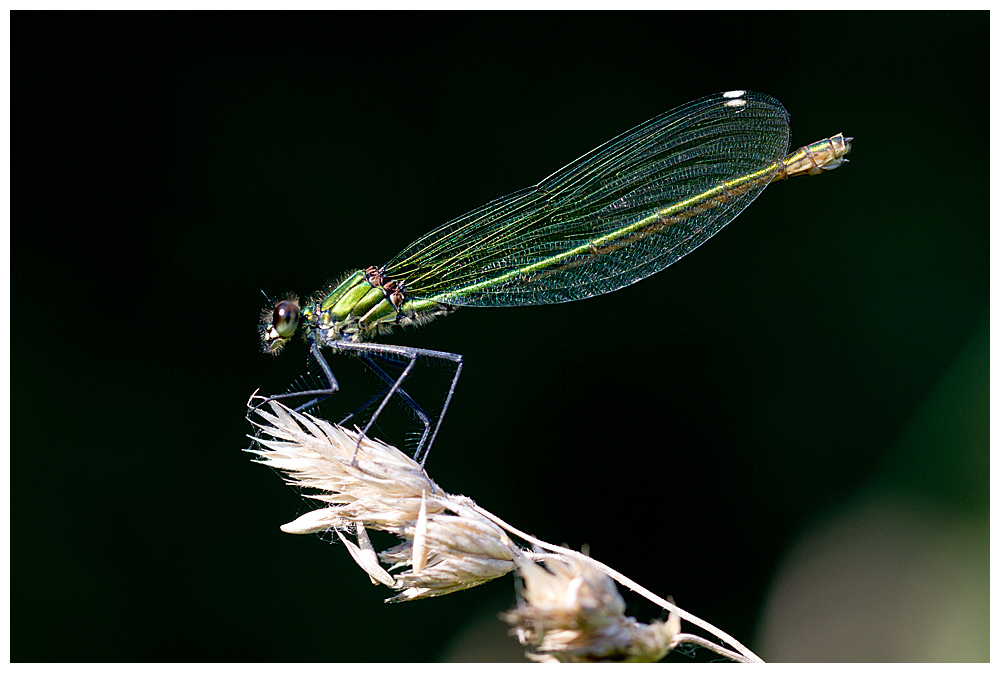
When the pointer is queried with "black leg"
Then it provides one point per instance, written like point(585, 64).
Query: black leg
point(374, 398)
point(319, 394)
point(410, 354)
point(420, 413)
point(363, 350)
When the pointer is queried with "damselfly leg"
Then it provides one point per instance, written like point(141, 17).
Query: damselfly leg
point(410, 356)
point(364, 351)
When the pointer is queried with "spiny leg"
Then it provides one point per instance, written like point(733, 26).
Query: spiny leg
point(411, 354)
point(447, 400)
point(385, 400)
point(319, 394)
point(374, 398)
point(386, 378)
point(361, 349)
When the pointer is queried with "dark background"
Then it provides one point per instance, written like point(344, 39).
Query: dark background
point(828, 349)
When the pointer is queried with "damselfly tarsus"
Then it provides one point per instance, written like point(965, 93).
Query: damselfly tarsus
point(618, 214)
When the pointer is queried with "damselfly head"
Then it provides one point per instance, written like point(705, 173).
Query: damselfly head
point(278, 324)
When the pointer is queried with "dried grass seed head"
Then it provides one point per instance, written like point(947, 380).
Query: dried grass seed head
point(570, 611)
point(446, 542)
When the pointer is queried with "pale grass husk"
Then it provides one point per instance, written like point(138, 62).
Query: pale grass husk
point(569, 610)
point(446, 544)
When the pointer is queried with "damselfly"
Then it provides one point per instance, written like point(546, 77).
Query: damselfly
point(616, 215)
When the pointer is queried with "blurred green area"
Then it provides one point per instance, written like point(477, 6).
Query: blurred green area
point(899, 571)
point(819, 367)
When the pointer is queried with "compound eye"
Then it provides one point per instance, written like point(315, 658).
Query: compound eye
point(285, 318)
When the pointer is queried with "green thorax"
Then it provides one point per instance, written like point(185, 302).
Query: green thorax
point(365, 304)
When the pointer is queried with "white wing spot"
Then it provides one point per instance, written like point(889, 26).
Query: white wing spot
point(737, 102)
point(733, 94)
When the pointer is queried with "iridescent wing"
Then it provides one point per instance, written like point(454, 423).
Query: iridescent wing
point(512, 251)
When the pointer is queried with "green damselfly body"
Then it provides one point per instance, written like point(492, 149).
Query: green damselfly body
point(616, 215)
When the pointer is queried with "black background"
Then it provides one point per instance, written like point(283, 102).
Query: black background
point(168, 166)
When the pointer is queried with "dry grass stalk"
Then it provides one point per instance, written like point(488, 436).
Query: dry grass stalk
point(570, 611)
